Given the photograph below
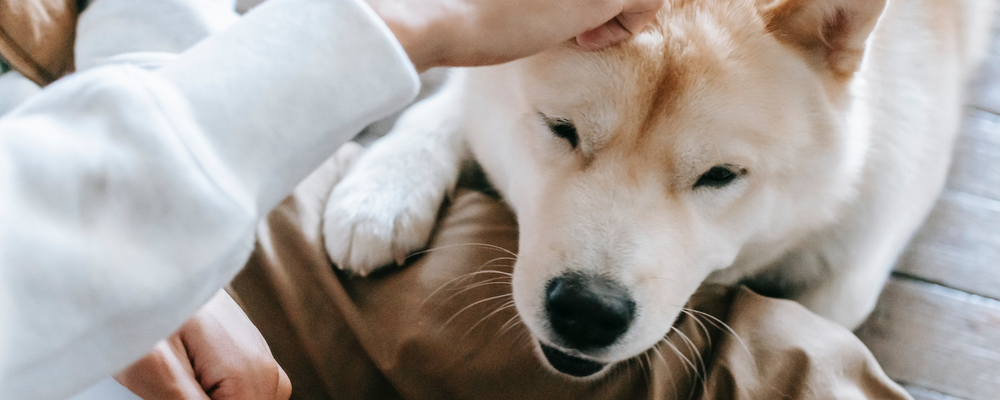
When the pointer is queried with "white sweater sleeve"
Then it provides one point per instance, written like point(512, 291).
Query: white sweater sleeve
point(128, 197)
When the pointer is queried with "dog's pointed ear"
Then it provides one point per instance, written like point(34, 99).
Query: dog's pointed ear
point(832, 33)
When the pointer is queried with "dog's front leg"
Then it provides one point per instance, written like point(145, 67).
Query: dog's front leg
point(387, 205)
point(854, 258)
point(843, 285)
point(849, 285)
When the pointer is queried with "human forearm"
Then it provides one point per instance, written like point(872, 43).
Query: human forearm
point(323, 70)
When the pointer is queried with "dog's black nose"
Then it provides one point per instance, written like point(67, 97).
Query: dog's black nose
point(588, 311)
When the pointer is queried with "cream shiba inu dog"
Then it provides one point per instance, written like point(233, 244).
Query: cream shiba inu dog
point(796, 143)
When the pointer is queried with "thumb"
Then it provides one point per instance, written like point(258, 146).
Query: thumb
point(635, 19)
point(165, 373)
point(612, 32)
point(630, 22)
point(284, 389)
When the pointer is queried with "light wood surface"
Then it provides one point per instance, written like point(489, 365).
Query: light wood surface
point(920, 393)
point(941, 339)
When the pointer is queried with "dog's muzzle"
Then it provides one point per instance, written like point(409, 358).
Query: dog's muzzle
point(586, 312)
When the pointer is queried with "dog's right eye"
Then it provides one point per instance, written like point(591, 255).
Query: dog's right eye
point(563, 128)
point(718, 176)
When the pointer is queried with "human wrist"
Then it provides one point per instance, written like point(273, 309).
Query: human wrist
point(421, 34)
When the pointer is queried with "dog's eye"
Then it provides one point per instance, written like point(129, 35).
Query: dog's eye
point(563, 128)
point(717, 177)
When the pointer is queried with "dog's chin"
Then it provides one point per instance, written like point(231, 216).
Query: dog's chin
point(568, 364)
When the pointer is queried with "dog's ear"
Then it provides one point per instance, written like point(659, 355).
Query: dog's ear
point(832, 33)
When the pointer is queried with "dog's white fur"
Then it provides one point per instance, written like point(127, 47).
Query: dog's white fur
point(841, 166)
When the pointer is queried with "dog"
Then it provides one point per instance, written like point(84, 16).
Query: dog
point(794, 145)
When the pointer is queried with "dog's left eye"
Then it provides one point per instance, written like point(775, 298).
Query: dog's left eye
point(718, 176)
point(563, 128)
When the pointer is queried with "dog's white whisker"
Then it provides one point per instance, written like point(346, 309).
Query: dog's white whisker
point(505, 306)
point(687, 363)
point(695, 352)
point(721, 324)
point(639, 362)
point(476, 284)
point(510, 324)
point(458, 278)
point(498, 259)
point(473, 305)
point(702, 367)
point(704, 329)
point(485, 264)
point(489, 282)
point(486, 245)
point(673, 382)
point(648, 368)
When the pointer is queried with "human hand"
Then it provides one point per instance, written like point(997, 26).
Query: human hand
point(217, 354)
point(484, 32)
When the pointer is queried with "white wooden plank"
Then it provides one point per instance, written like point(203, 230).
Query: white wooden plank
point(985, 89)
point(920, 393)
point(959, 245)
point(976, 161)
point(937, 338)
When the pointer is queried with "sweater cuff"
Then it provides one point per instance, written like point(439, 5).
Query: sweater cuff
point(278, 92)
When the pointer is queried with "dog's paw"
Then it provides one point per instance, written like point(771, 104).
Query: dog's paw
point(367, 225)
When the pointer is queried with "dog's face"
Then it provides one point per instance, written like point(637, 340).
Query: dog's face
point(640, 170)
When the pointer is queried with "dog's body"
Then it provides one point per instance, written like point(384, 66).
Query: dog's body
point(751, 140)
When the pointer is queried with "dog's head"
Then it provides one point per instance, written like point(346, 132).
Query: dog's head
point(640, 170)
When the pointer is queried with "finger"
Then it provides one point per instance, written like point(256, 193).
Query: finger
point(635, 19)
point(631, 21)
point(164, 373)
point(612, 32)
point(284, 389)
point(230, 357)
point(254, 384)
point(263, 379)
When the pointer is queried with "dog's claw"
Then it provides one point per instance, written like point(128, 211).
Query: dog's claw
point(400, 256)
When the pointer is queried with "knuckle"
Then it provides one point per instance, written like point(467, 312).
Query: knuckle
point(257, 378)
point(277, 383)
point(159, 359)
point(284, 389)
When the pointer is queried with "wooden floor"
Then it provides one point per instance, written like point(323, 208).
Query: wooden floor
point(936, 329)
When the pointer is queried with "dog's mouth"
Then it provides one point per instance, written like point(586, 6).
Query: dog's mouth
point(569, 364)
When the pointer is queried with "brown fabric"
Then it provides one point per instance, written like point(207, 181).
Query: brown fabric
point(436, 329)
point(36, 37)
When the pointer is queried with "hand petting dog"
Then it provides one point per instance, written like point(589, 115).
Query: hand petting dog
point(485, 32)
point(218, 354)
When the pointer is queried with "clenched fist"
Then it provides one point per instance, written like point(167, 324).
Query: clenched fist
point(218, 354)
